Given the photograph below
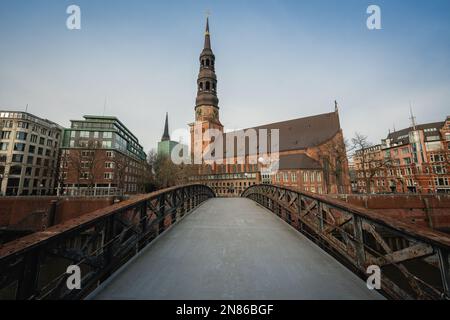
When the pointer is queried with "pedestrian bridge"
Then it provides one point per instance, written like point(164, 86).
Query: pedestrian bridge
point(233, 249)
point(272, 243)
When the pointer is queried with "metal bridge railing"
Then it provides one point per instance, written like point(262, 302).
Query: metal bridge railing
point(414, 261)
point(34, 267)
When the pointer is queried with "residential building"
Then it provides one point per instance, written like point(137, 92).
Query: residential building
point(29, 150)
point(415, 159)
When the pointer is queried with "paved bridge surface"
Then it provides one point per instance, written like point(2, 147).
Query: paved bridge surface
point(233, 249)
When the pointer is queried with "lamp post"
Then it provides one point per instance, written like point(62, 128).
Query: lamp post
point(40, 189)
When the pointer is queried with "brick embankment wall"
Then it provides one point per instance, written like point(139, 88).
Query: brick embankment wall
point(424, 210)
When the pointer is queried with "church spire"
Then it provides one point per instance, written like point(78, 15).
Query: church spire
point(207, 79)
point(207, 35)
point(166, 136)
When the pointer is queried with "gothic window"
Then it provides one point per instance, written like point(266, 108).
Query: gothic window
point(208, 87)
point(203, 63)
point(201, 86)
point(207, 62)
point(214, 86)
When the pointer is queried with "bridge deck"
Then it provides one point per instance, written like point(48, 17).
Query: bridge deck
point(233, 249)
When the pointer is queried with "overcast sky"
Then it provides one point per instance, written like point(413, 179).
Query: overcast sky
point(275, 60)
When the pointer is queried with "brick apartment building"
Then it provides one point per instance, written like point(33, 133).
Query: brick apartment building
point(100, 156)
point(29, 151)
point(312, 153)
point(415, 159)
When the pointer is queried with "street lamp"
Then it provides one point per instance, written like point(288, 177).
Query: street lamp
point(40, 189)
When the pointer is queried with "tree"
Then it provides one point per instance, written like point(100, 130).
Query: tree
point(369, 159)
point(165, 172)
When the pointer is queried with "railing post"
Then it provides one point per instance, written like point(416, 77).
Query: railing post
point(183, 203)
point(161, 212)
point(359, 241)
point(445, 271)
point(319, 217)
point(143, 220)
point(175, 208)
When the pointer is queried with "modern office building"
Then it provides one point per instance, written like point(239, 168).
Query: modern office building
point(101, 156)
point(29, 150)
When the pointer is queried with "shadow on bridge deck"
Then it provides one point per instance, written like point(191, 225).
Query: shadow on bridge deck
point(233, 249)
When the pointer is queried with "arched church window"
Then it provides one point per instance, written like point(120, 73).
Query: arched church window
point(203, 63)
point(201, 86)
point(214, 86)
point(207, 62)
point(208, 86)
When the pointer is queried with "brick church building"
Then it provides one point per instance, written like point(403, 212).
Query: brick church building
point(311, 150)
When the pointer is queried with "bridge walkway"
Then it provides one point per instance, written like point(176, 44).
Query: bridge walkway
point(233, 249)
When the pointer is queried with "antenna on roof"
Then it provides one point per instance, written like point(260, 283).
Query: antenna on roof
point(412, 118)
point(26, 108)
point(336, 106)
point(393, 124)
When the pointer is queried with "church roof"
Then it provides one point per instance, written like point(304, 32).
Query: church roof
point(302, 133)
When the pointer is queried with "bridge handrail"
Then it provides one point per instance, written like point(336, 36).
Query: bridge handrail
point(411, 258)
point(108, 237)
point(425, 234)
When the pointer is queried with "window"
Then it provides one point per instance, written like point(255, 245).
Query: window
point(319, 177)
point(305, 176)
point(30, 160)
point(109, 154)
point(294, 177)
point(109, 165)
point(15, 170)
point(441, 181)
point(84, 134)
point(41, 141)
point(208, 86)
point(108, 176)
point(5, 135)
point(31, 149)
point(405, 150)
point(19, 147)
point(84, 175)
point(21, 135)
point(285, 177)
point(4, 146)
point(313, 177)
point(18, 158)
point(40, 151)
point(106, 144)
point(107, 135)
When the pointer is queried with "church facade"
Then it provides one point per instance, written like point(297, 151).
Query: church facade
point(311, 151)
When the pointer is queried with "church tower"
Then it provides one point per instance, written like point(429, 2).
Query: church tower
point(206, 103)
